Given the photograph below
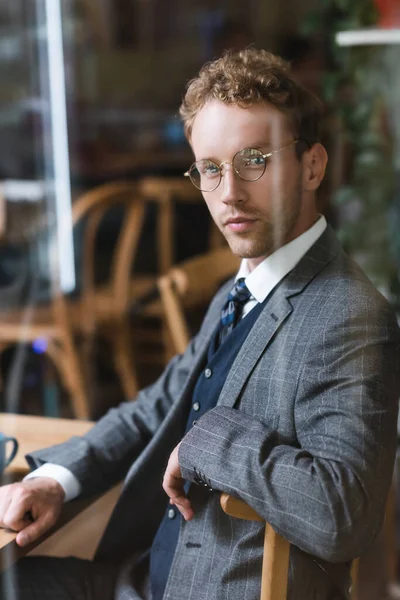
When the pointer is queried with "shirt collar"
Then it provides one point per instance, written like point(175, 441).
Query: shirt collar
point(262, 280)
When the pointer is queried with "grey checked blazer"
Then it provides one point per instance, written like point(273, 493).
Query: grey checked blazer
point(304, 432)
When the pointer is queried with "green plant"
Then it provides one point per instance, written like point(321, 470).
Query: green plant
point(354, 88)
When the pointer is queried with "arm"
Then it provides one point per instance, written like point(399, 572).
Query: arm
point(94, 461)
point(103, 456)
point(326, 491)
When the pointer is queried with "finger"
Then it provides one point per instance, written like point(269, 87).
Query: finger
point(173, 486)
point(4, 505)
point(15, 517)
point(33, 531)
point(185, 508)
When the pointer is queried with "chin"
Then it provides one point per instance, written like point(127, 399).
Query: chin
point(251, 251)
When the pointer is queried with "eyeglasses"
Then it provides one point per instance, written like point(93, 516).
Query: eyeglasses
point(248, 164)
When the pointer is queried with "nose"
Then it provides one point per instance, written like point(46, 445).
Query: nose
point(232, 191)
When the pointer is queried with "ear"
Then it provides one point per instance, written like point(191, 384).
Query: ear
point(314, 164)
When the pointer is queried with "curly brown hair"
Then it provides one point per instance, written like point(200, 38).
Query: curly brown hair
point(254, 76)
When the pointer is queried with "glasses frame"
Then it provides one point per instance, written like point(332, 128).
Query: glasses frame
point(225, 162)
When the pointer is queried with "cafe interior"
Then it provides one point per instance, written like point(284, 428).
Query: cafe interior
point(108, 255)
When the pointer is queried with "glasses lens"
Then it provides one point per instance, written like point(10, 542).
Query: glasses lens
point(205, 175)
point(249, 164)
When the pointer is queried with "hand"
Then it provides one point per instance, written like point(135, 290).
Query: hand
point(31, 507)
point(173, 486)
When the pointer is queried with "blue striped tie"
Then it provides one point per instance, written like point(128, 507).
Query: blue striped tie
point(233, 308)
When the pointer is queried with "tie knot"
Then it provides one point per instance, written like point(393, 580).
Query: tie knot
point(233, 308)
point(240, 293)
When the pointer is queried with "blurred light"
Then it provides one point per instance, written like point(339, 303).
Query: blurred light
point(39, 346)
point(366, 37)
point(173, 131)
point(17, 190)
point(59, 133)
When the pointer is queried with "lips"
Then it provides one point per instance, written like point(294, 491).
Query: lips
point(239, 224)
point(238, 220)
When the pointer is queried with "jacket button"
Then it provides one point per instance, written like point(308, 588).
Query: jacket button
point(194, 423)
point(207, 373)
point(196, 406)
point(171, 513)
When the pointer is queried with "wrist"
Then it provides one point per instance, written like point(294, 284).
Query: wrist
point(50, 484)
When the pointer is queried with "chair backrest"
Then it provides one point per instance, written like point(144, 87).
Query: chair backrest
point(163, 191)
point(190, 285)
point(275, 566)
point(92, 206)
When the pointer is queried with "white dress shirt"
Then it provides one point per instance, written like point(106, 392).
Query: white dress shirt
point(260, 282)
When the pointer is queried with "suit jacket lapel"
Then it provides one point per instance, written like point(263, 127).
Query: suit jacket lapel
point(277, 309)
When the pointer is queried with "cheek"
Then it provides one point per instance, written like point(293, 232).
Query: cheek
point(261, 194)
point(211, 202)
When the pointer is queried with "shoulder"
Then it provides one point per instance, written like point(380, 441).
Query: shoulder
point(349, 285)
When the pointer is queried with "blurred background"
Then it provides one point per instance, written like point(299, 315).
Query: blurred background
point(89, 129)
point(94, 207)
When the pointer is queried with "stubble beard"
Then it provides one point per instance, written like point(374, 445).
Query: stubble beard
point(266, 240)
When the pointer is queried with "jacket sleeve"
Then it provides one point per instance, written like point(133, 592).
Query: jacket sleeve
point(103, 456)
point(327, 492)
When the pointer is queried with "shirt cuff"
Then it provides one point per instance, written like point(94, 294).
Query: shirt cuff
point(65, 478)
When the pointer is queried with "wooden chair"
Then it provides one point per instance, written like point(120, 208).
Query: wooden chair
point(105, 308)
point(51, 324)
point(275, 566)
point(190, 286)
point(164, 191)
point(57, 321)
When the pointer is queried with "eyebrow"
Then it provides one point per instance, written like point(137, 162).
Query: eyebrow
point(266, 145)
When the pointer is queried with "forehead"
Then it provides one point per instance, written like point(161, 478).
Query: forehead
point(222, 129)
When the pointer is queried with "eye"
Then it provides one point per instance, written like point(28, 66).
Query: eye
point(207, 168)
point(251, 158)
point(255, 161)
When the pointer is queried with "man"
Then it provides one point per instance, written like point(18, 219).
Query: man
point(286, 398)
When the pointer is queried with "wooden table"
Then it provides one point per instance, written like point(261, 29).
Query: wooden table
point(34, 433)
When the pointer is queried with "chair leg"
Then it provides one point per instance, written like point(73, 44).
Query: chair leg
point(65, 359)
point(124, 359)
point(168, 346)
point(89, 364)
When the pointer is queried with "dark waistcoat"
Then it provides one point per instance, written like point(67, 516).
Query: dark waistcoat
point(205, 396)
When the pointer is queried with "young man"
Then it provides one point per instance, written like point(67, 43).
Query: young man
point(286, 398)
